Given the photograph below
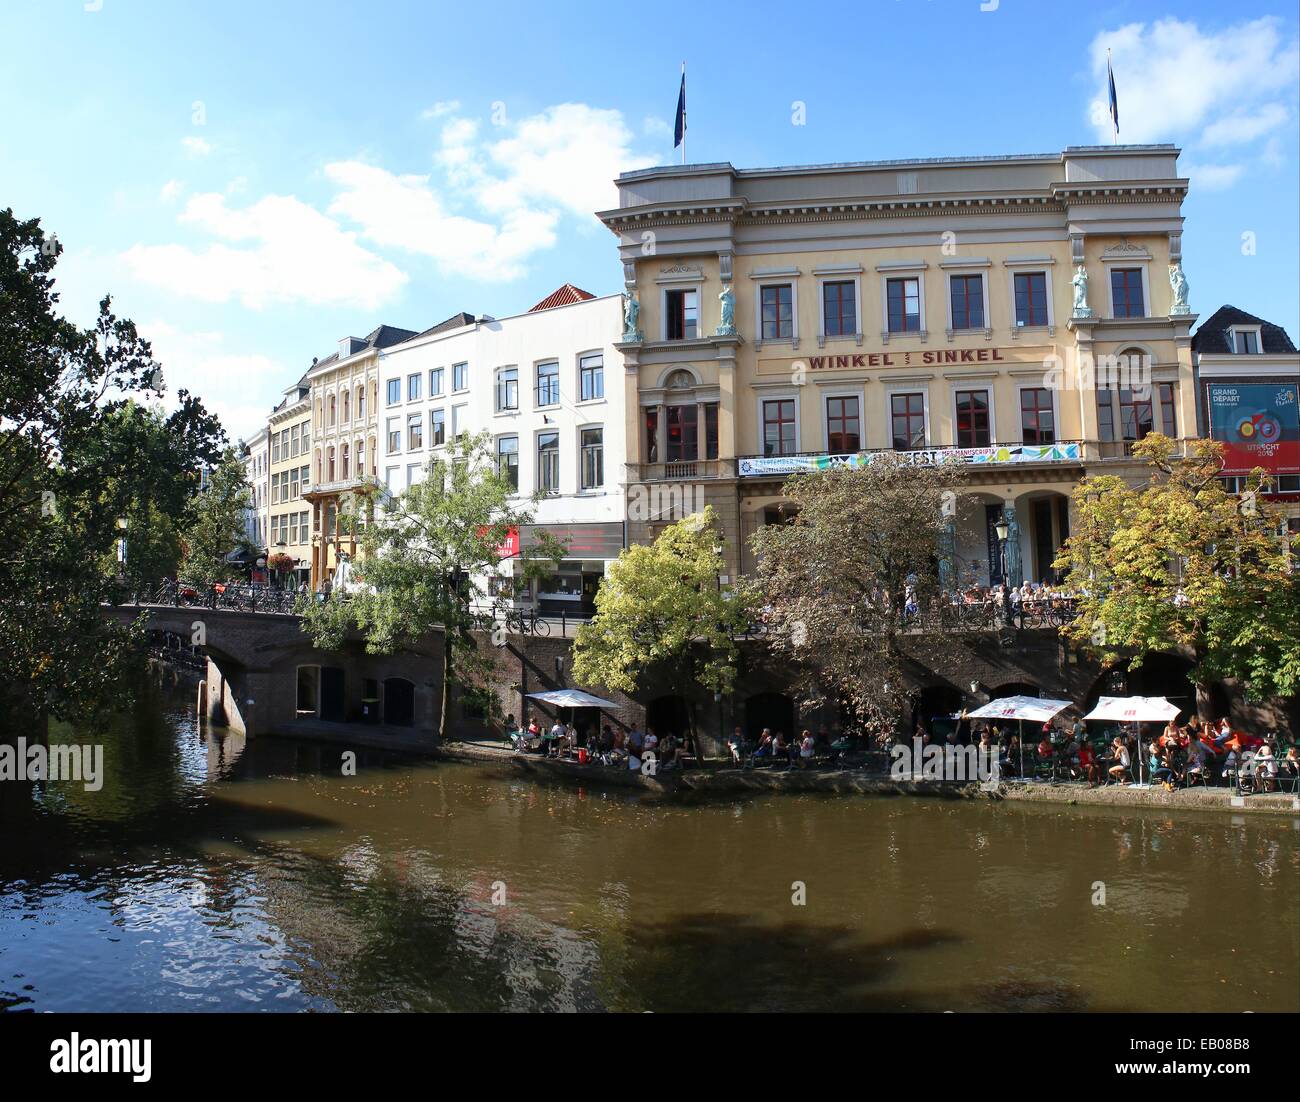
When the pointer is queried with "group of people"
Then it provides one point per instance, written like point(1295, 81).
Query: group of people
point(608, 745)
point(800, 751)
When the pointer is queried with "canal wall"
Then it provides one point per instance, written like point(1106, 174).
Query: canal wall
point(845, 782)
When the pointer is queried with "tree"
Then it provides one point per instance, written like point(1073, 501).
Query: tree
point(854, 569)
point(663, 603)
point(68, 474)
point(1179, 562)
point(431, 558)
point(218, 525)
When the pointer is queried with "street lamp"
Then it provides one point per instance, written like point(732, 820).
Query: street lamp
point(1003, 530)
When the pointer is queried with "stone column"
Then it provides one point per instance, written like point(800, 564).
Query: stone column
point(700, 420)
point(947, 553)
point(661, 433)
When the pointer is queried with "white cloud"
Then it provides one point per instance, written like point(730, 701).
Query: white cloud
point(197, 147)
point(403, 212)
point(1245, 126)
point(171, 191)
point(201, 363)
point(1212, 177)
point(442, 107)
point(655, 127)
point(282, 250)
point(1176, 82)
point(498, 193)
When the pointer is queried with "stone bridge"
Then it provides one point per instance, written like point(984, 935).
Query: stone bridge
point(266, 676)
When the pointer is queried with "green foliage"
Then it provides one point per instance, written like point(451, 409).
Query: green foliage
point(218, 525)
point(838, 577)
point(70, 469)
point(426, 556)
point(1180, 562)
point(662, 604)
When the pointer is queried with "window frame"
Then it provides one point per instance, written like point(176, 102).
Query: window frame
point(783, 396)
point(901, 391)
point(964, 387)
point(1020, 407)
point(903, 275)
point(500, 380)
point(537, 384)
point(541, 466)
point(597, 373)
point(966, 274)
point(828, 396)
point(584, 450)
point(499, 453)
point(460, 369)
point(761, 287)
point(697, 289)
point(1128, 266)
point(390, 401)
point(837, 279)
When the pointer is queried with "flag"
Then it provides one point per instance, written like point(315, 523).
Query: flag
point(679, 127)
point(1114, 99)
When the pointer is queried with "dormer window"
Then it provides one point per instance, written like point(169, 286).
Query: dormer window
point(1245, 340)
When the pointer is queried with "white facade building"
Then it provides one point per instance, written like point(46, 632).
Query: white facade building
point(548, 386)
point(257, 473)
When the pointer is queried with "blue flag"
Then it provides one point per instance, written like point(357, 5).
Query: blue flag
point(679, 128)
point(1114, 99)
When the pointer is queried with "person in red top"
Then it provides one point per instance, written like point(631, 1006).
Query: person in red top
point(1088, 763)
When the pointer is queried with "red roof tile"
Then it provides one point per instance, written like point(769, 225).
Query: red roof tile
point(564, 296)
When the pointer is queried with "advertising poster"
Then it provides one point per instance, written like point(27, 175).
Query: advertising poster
point(1259, 425)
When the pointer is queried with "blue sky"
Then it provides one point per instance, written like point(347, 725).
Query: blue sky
point(253, 181)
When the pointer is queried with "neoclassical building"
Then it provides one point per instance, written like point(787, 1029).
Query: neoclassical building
point(1025, 317)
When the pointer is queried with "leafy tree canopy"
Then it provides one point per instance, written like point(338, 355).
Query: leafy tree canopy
point(1179, 562)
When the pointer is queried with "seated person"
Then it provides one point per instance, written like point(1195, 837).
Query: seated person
point(764, 747)
point(736, 745)
point(1121, 761)
point(1088, 764)
point(1289, 766)
point(1266, 768)
point(1197, 756)
point(807, 748)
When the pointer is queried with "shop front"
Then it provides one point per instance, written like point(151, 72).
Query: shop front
point(589, 549)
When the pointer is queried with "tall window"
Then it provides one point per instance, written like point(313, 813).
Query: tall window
point(591, 377)
point(330, 464)
point(839, 309)
point(293, 442)
point(343, 462)
point(682, 315)
point(1037, 419)
point(843, 427)
point(903, 301)
point(435, 381)
point(778, 312)
point(460, 376)
point(394, 391)
point(593, 458)
point(548, 384)
point(1105, 415)
point(683, 434)
point(1031, 298)
point(1168, 393)
point(507, 389)
point(347, 406)
point(508, 459)
point(1135, 414)
point(413, 387)
point(361, 402)
point(973, 419)
point(1126, 292)
point(967, 295)
point(548, 462)
point(306, 437)
point(437, 428)
point(333, 410)
point(710, 430)
point(907, 417)
point(778, 427)
point(414, 431)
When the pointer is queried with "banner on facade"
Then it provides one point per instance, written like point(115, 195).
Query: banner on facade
point(1258, 425)
point(753, 467)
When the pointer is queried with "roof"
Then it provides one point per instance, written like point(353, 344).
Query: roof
point(387, 335)
point(456, 321)
point(562, 296)
point(1211, 335)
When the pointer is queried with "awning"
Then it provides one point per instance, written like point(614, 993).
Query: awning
point(1034, 708)
point(572, 698)
point(241, 555)
point(1134, 709)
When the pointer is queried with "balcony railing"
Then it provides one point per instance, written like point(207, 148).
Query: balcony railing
point(680, 471)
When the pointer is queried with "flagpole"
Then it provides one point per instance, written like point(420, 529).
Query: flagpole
point(683, 115)
point(1110, 85)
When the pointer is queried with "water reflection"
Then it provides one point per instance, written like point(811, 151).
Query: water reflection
point(210, 873)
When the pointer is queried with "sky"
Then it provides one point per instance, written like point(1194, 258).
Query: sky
point(253, 181)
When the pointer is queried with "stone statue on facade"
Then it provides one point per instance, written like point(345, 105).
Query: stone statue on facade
point(727, 324)
point(1178, 284)
point(1080, 282)
point(631, 316)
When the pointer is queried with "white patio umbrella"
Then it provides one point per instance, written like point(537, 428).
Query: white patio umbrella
point(1134, 709)
point(1037, 709)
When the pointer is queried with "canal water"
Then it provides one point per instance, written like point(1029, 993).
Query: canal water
point(212, 874)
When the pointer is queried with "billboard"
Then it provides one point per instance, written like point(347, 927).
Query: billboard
point(1258, 424)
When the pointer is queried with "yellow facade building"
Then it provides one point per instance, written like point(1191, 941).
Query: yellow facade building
point(288, 511)
point(1025, 316)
